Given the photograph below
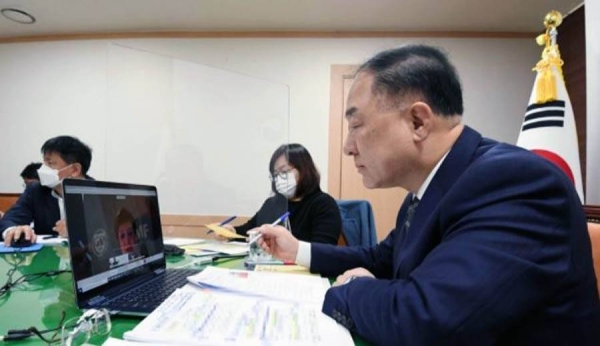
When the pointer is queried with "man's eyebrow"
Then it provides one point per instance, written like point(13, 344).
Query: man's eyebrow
point(351, 112)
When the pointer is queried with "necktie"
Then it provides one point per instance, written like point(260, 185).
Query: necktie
point(412, 207)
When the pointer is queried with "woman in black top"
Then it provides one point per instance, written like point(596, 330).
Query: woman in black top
point(314, 215)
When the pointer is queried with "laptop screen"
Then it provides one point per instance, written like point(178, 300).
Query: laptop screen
point(114, 233)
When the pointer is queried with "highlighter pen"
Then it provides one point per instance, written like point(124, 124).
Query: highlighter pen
point(280, 219)
point(226, 221)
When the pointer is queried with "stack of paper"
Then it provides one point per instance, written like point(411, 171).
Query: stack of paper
point(277, 286)
point(280, 268)
point(243, 308)
point(183, 241)
point(213, 247)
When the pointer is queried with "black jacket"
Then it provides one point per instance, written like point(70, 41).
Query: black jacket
point(35, 204)
point(315, 218)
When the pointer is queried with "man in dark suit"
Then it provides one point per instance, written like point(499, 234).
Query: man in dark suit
point(490, 245)
point(41, 203)
point(29, 174)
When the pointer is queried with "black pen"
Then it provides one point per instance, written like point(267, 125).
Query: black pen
point(216, 258)
point(50, 236)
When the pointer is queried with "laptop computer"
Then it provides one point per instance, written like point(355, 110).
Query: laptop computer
point(116, 247)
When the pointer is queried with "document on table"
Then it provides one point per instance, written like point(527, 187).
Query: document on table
point(118, 342)
point(278, 286)
point(223, 232)
point(282, 268)
point(183, 241)
point(232, 248)
point(211, 318)
point(51, 240)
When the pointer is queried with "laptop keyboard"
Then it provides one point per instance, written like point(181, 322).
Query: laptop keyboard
point(149, 295)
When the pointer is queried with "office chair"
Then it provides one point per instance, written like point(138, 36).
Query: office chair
point(594, 230)
point(358, 223)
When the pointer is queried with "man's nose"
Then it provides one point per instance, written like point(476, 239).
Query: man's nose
point(349, 147)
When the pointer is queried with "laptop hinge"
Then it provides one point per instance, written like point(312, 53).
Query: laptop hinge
point(159, 271)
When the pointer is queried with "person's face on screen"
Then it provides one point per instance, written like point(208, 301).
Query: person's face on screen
point(379, 136)
point(126, 236)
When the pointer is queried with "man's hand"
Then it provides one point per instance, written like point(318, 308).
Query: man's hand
point(61, 228)
point(279, 242)
point(16, 232)
point(351, 274)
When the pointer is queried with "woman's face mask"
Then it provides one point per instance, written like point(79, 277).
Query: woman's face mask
point(49, 177)
point(286, 184)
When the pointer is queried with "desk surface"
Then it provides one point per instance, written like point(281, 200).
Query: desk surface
point(40, 303)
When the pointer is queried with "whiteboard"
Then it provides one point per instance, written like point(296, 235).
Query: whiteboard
point(202, 135)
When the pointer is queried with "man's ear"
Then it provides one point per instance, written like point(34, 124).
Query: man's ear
point(77, 170)
point(422, 120)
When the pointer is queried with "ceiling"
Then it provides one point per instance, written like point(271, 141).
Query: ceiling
point(127, 16)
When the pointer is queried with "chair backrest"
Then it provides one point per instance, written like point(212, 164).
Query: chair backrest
point(594, 230)
point(358, 223)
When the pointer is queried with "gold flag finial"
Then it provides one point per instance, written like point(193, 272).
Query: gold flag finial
point(551, 63)
point(553, 19)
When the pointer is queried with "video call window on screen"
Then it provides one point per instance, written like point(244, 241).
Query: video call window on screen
point(115, 233)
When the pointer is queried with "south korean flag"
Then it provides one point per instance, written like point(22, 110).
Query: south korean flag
point(549, 131)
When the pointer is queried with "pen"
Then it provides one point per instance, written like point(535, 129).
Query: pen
point(280, 219)
point(223, 223)
point(50, 236)
point(227, 221)
point(228, 257)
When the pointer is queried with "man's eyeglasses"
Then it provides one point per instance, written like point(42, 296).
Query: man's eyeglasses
point(282, 174)
point(78, 330)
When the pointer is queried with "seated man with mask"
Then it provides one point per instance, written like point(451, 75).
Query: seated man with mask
point(42, 204)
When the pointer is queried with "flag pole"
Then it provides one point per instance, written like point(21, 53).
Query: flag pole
point(551, 63)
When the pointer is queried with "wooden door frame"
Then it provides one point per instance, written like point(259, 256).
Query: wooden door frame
point(336, 107)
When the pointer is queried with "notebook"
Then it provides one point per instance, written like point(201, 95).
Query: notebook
point(116, 247)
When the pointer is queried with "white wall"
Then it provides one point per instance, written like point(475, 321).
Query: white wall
point(592, 51)
point(56, 88)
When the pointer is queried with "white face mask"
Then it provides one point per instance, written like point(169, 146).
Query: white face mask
point(49, 177)
point(286, 186)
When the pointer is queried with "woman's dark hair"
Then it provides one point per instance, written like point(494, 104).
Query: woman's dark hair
point(71, 150)
point(299, 158)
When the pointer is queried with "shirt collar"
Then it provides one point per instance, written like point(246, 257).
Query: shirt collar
point(56, 195)
point(61, 204)
point(427, 181)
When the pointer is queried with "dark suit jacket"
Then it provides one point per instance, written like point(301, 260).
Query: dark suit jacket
point(497, 253)
point(35, 204)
